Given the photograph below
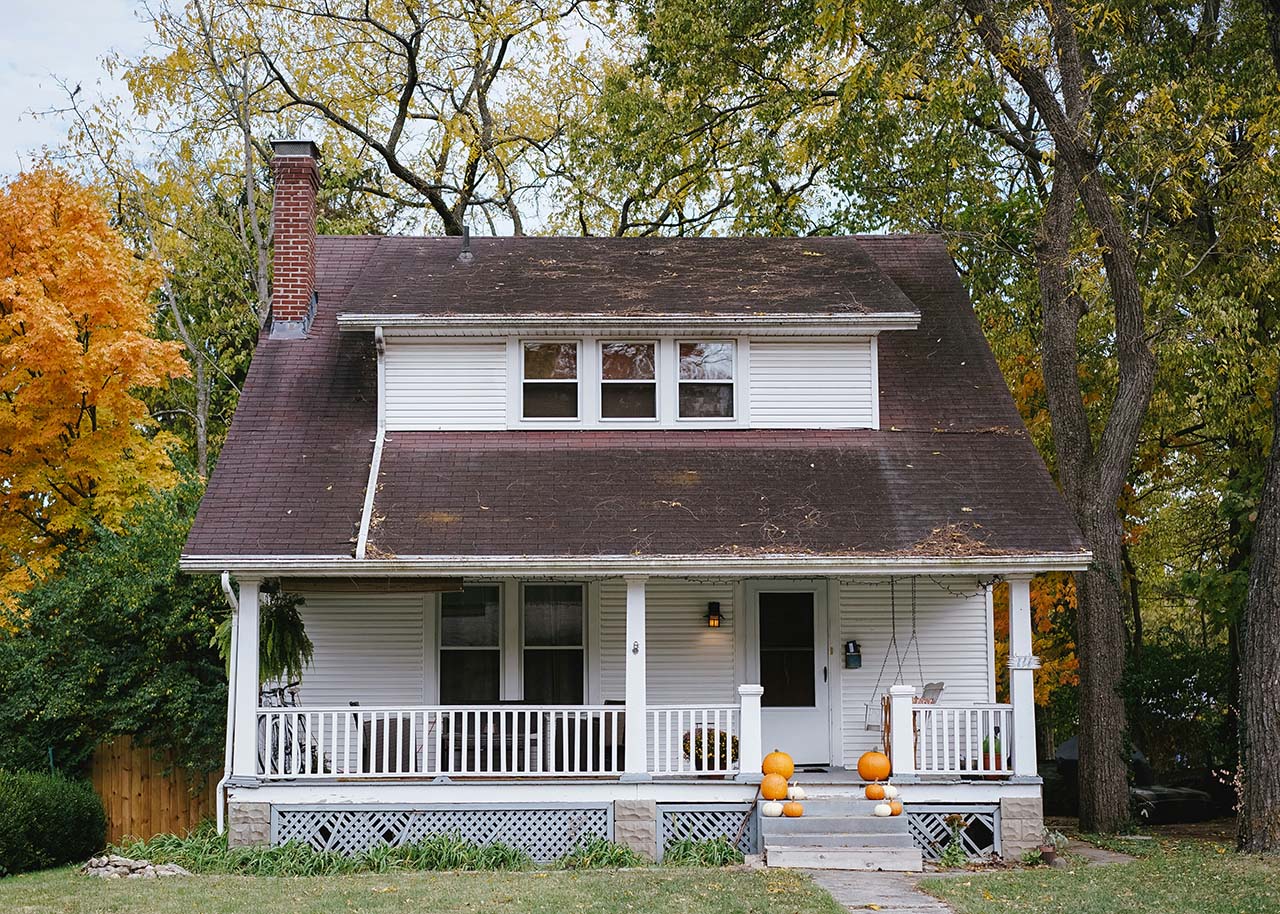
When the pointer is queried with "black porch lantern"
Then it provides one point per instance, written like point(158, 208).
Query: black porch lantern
point(713, 614)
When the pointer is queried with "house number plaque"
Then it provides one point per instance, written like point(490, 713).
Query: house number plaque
point(1024, 662)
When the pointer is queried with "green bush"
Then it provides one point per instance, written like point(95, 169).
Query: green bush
point(47, 820)
point(205, 851)
point(712, 852)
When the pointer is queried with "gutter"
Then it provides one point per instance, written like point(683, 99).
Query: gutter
point(221, 798)
point(375, 464)
point(602, 566)
point(505, 324)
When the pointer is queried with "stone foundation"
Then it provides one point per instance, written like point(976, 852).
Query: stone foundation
point(248, 824)
point(635, 825)
point(1021, 826)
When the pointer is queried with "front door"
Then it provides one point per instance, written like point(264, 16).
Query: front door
point(792, 643)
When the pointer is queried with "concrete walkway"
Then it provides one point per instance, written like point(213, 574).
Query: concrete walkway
point(895, 893)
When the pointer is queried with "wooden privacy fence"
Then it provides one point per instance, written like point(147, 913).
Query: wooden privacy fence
point(140, 799)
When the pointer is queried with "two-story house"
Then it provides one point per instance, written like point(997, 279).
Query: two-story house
point(584, 526)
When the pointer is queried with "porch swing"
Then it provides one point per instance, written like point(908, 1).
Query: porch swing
point(877, 707)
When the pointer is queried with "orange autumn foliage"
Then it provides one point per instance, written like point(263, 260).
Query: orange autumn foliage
point(1053, 602)
point(77, 446)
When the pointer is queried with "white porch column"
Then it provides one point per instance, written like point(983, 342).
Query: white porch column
point(750, 740)
point(902, 741)
point(637, 753)
point(244, 752)
point(1022, 663)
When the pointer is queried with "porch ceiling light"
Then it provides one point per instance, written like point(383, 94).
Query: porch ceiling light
point(713, 614)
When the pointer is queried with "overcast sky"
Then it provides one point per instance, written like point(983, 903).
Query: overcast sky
point(46, 40)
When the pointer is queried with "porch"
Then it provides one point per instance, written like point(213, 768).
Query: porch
point(763, 665)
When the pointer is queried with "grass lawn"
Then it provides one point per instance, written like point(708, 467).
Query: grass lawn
point(678, 891)
point(1172, 877)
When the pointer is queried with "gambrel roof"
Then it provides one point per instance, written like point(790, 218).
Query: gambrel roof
point(951, 471)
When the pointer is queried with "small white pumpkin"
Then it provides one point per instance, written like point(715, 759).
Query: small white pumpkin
point(773, 809)
point(883, 810)
point(795, 792)
point(890, 792)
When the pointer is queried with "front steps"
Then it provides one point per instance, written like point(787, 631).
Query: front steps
point(839, 833)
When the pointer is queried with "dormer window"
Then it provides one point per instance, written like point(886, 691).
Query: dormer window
point(706, 380)
point(550, 380)
point(628, 381)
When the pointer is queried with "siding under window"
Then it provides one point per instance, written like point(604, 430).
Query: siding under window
point(446, 385)
point(811, 384)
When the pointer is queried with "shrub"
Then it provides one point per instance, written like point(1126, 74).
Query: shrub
point(712, 852)
point(47, 820)
point(205, 851)
point(598, 853)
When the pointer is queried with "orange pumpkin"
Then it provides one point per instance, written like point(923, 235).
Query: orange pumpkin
point(873, 766)
point(895, 807)
point(778, 762)
point(773, 787)
point(875, 791)
point(792, 810)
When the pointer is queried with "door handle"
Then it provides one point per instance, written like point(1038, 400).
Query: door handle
point(824, 674)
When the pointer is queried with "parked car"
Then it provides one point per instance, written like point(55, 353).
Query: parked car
point(1151, 803)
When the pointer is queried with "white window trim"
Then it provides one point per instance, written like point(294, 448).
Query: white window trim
point(521, 381)
point(736, 418)
point(600, 343)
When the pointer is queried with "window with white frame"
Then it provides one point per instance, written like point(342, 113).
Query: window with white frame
point(706, 379)
point(628, 380)
point(471, 645)
point(554, 644)
point(550, 379)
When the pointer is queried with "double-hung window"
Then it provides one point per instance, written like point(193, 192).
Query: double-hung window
point(470, 645)
point(706, 379)
point(628, 381)
point(554, 645)
point(550, 372)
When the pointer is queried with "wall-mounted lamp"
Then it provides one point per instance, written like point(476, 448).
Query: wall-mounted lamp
point(713, 615)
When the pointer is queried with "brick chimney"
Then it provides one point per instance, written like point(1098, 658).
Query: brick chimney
point(293, 224)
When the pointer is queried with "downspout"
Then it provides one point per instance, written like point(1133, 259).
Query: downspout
point(375, 464)
point(231, 702)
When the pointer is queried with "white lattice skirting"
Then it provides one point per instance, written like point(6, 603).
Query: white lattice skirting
point(931, 833)
point(543, 833)
point(706, 822)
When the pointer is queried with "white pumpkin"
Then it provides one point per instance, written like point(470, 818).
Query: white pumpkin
point(883, 809)
point(890, 792)
point(773, 809)
point(795, 792)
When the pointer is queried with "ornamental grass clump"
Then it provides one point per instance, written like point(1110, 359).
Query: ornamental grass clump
point(599, 853)
point(691, 852)
point(205, 851)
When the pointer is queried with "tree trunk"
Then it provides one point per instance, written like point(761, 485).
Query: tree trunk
point(1259, 822)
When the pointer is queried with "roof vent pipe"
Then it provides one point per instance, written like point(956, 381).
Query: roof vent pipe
point(465, 256)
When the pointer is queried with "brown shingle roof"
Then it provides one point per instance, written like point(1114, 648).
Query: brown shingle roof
point(952, 471)
point(624, 276)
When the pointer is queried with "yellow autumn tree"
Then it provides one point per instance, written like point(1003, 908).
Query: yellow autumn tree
point(77, 446)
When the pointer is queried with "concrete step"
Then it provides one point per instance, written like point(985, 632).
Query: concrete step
point(820, 825)
point(896, 859)
point(837, 806)
point(839, 839)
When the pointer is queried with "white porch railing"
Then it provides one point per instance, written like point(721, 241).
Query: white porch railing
point(480, 741)
point(493, 741)
point(692, 741)
point(963, 739)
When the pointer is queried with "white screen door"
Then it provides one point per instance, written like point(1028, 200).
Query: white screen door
point(792, 647)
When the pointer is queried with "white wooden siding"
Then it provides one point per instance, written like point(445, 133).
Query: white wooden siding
point(811, 384)
point(447, 384)
point(368, 648)
point(951, 620)
point(689, 663)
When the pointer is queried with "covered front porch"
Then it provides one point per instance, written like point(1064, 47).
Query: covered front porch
point(637, 679)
